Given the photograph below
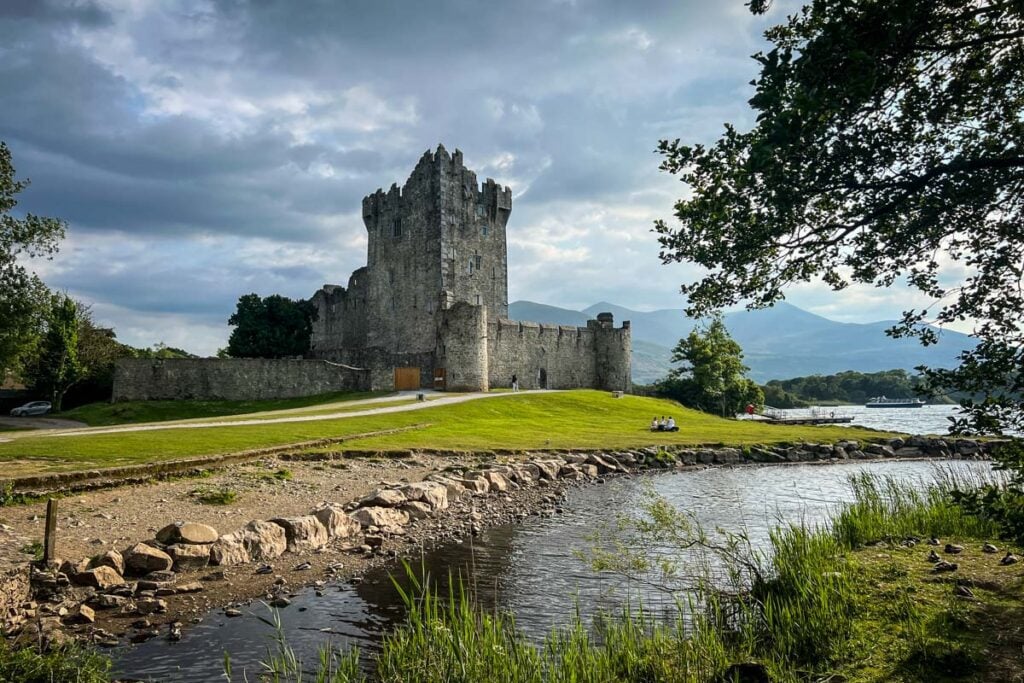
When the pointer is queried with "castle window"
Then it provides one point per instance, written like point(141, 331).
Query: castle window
point(477, 260)
point(396, 228)
point(469, 267)
point(483, 230)
point(477, 299)
point(494, 272)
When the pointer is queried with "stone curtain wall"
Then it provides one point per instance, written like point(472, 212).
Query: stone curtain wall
point(234, 379)
point(569, 356)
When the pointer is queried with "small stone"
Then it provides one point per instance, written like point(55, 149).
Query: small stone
point(303, 533)
point(383, 498)
point(174, 634)
point(189, 556)
point(144, 635)
point(143, 559)
point(83, 614)
point(111, 558)
point(280, 601)
point(100, 578)
point(110, 601)
point(146, 606)
point(187, 533)
point(191, 587)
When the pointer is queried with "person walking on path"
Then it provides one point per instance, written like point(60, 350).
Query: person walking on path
point(515, 383)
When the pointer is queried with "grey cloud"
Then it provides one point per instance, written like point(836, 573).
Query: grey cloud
point(240, 121)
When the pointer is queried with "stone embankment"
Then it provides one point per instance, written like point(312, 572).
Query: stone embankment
point(129, 593)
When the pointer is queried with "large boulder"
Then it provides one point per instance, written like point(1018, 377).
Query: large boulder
point(417, 509)
point(385, 518)
point(186, 532)
point(189, 555)
point(548, 468)
point(336, 521)
point(111, 558)
point(303, 533)
point(497, 482)
point(142, 559)
point(476, 483)
point(101, 578)
point(432, 493)
point(383, 498)
point(257, 542)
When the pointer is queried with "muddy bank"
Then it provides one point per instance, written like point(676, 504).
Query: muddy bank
point(384, 518)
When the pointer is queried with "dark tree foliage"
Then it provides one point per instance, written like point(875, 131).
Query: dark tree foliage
point(98, 350)
point(57, 365)
point(849, 386)
point(24, 299)
point(888, 148)
point(711, 376)
point(271, 327)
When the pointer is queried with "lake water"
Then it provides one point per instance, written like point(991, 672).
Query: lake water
point(528, 568)
point(929, 419)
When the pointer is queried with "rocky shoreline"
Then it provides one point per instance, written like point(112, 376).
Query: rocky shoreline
point(155, 587)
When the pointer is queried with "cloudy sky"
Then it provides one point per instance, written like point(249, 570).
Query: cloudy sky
point(201, 150)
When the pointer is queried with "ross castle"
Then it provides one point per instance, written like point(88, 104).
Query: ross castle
point(430, 308)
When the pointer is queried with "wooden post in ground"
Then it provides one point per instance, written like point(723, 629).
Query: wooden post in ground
point(50, 540)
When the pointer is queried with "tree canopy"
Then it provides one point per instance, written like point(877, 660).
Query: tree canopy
point(58, 366)
point(888, 147)
point(24, 299)
point(271, 327)
point(711, 376)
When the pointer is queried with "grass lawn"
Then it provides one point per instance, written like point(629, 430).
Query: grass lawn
point(131, 412)
point(574, 419)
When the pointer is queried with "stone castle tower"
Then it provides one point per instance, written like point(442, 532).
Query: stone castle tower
point(430, 308)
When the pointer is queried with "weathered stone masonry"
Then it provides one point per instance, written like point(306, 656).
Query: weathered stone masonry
point(236, 379)
point(433, 297)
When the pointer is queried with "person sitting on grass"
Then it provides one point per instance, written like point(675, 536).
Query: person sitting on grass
point(670, 426)
point(654, 423)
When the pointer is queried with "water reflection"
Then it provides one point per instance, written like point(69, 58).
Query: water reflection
point(528, 569)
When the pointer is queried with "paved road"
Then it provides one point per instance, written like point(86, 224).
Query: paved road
point(40, 423)
point(434, 402)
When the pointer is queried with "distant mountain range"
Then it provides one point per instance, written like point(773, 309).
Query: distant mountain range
point(778, 343)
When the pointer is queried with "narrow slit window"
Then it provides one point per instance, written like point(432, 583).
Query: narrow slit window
point(396, 228)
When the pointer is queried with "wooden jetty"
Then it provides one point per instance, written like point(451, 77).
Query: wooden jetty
point(816, 417)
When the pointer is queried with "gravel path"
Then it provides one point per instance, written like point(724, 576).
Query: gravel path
point(449, 400)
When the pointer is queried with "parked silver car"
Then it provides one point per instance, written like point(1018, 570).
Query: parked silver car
point(33, 408)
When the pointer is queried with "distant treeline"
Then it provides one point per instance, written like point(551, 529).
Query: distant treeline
point(844, 387)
